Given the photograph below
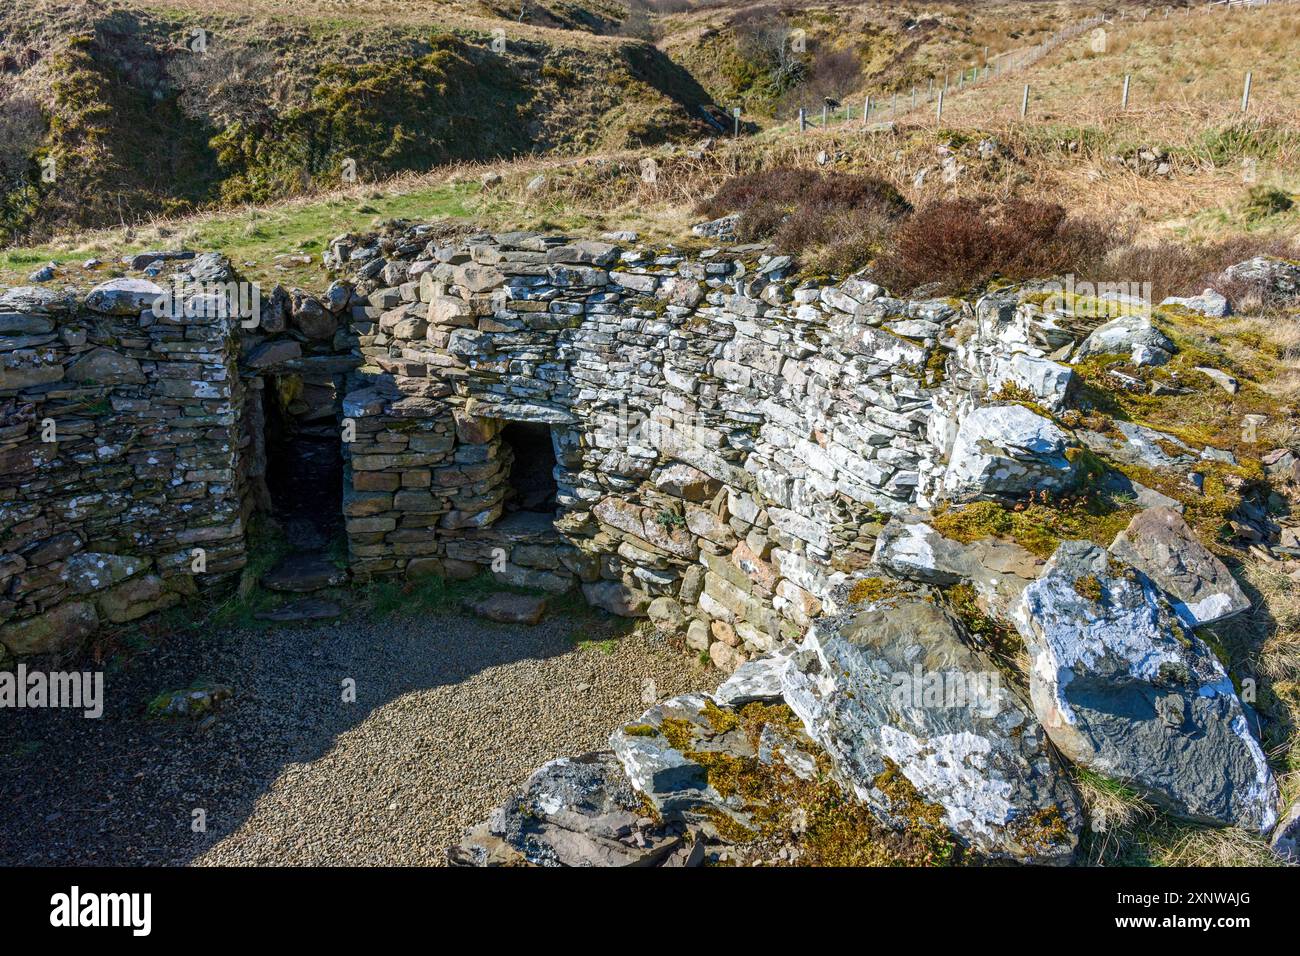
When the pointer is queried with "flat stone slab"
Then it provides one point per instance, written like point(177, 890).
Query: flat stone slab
point(304, 609)
point(505, 607)
point(304, 572)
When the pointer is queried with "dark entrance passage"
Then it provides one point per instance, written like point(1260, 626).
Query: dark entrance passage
point(304, 471)
point(532, 471)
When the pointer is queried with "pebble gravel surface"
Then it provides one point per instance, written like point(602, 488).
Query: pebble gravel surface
point(451, 714)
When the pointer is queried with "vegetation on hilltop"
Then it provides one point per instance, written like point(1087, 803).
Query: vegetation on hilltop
point(152, 110)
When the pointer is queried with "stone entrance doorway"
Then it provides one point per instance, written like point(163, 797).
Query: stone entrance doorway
point(530, 467)
point(304, 462)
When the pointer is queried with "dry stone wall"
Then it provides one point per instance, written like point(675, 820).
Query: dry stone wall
point(729, 440)
point(119, 456)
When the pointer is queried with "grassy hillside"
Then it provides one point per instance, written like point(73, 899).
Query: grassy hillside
point(151, 108)
point(1227, 174)
point(849, 48)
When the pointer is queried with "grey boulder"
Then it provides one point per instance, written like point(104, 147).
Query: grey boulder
point(998, 570)
point(1159, 543)
point(1272, 276)
point(899, 686)
point(1006, 450)
point(575, 811)
point(1124, 691)
point(1209, 303)
point(1132, 335)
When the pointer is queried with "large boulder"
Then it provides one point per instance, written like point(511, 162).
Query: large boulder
point(1131, 335)
point(910, 548)
point(575, 811)
point(1265, 274)
point(1159, 543)
point(1208, 303)
point(1007, 451)
point(1126, 692)
point(898, 688)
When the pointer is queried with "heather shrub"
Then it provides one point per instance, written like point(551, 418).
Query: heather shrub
point(954, 246)
point(833, 222)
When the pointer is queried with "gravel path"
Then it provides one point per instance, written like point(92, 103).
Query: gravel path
point(451, 714)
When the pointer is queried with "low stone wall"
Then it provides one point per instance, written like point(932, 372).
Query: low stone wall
point(728, 439)
point(119, 456)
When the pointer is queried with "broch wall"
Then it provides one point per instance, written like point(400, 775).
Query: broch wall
point(729, 439)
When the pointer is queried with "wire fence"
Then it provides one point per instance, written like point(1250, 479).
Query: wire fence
point(891, 105)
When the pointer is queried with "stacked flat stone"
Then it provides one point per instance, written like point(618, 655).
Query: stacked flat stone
point(119, 456)
point(729, 440)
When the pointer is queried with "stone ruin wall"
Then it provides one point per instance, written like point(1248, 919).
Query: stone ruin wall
point(727, 437)
point(730, 439)
point(119, 455)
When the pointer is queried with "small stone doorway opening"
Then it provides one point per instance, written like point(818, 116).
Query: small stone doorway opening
point(304, 461)
point(530, 467)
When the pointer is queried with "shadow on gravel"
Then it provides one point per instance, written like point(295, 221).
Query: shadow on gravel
point(122, 789)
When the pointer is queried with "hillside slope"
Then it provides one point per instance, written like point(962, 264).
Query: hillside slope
point(133, 109)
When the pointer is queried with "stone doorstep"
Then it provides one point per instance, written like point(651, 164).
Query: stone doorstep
point(303, 609)
point(506, 607)
point(304, 571)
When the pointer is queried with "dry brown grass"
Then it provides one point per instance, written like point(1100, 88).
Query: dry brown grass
point(1186, 72)
point(1201, 199)
point(1206, 846)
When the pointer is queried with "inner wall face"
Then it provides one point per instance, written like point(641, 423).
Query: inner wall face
point(640, 426)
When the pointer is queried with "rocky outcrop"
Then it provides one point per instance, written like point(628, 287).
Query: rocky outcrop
point(899, 685)
point(1125, 691)
point(577, 811)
